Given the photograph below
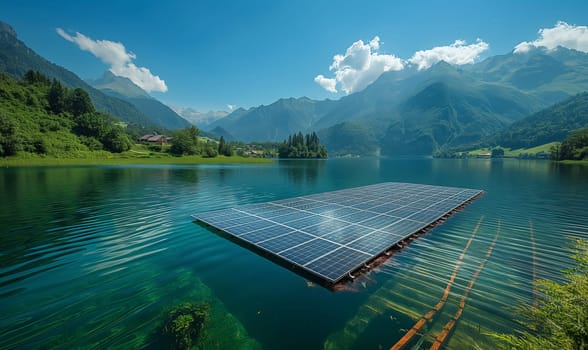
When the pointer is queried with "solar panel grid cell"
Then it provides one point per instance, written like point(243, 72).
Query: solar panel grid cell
point(332, 234)
point(338, 262)
point(375, 243)
point(306, 252)
point(285, 241)
point(349, 234)
point(306, 222)
point(326, 227)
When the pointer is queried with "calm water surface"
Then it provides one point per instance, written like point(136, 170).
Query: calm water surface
point(94, 257)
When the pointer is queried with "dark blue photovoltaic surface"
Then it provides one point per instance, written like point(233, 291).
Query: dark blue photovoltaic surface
point(332, 234)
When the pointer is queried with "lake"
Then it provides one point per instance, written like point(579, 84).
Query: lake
point(96, 257)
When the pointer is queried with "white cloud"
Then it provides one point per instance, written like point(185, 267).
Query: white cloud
point(358, 67)
point(328, 84)
point(457, 53)
point(231, 107)
point(362, 64)
point(563, 34)
point(120, 61)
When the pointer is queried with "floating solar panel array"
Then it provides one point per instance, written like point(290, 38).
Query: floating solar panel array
point(332, 234)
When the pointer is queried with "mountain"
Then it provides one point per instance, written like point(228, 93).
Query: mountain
point(201, 119)
point(219, 132)
point(16, 59)
point(124, 89)
point(549, 75)
point(419, 112)
point(274, 122)
point(549, 125)
point(449, 107)
point(115, 85)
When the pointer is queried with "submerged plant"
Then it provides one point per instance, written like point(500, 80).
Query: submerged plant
point(560, 318)
point(184, 325)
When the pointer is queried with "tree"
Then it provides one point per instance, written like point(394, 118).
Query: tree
point(224, 148)
point(184, 141)
point(56, 97)
point(9, 140)
point(560, 319)
point(193, 132)
point(497, 153)
point(554, 151)
point(221, 144)
point(116, 141)
point(209, 151)
point(302, 146)
point(78, 102)
point(91, 124)
point(575, 146)
point(34, 77)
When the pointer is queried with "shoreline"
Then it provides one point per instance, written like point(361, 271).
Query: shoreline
point(184, 160)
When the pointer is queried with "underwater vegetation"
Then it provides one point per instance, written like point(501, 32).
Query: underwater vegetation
point(185, 325)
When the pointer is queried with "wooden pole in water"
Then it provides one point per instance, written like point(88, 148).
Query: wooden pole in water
point(421, 323)
point(449, 326)
point(533, 252)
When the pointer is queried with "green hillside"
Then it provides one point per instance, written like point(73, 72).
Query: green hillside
point(548, 125)
point(40, 116)
point(16, 59)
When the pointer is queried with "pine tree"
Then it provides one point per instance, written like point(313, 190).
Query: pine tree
point(56, 97)
point(79, 102)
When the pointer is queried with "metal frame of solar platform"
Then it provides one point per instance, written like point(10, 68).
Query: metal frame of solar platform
point(331, 235)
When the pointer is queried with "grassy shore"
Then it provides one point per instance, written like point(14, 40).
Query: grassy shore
point(575, 162)
point(126, 160)
point(515, 152)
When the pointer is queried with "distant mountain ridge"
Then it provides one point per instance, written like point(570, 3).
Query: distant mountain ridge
point(126, 90)
point(274, 122)
point(200, 119)
point(419, 112)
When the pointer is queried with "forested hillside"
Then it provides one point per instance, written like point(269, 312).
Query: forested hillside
point(16, 59)
point(43, 117)
point(551, 124)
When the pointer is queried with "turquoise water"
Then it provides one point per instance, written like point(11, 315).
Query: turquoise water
point(94, 257)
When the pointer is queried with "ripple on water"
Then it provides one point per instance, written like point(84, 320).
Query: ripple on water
point(93, 257)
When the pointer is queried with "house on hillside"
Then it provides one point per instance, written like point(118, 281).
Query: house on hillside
point(154, 139)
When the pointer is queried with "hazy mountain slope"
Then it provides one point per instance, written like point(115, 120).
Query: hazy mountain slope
point(419, 112)
point(16, 59)
point(112, 84)
point(219, 132)
point(126, 90)
point(201, 119)
point(549, 75)
point(356, 137)
point(437, 108)
point(551, 124)
point(274, 122)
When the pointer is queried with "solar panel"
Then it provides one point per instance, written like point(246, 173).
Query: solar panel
point(332, 234)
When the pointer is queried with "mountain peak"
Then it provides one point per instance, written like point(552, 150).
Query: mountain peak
point(7, 33)
point(443, 67)
point(110, 82)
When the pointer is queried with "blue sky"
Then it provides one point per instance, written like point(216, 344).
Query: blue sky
point(212, 54)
